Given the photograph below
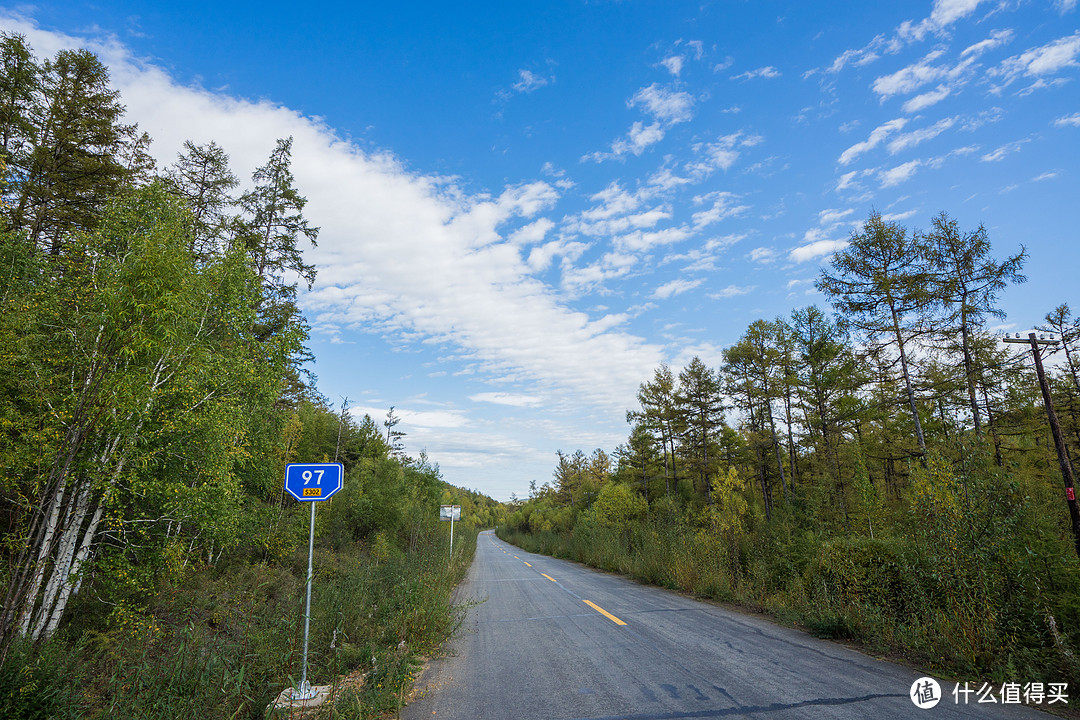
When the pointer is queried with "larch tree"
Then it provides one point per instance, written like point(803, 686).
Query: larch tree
point(201, 177)
point(879, 283)
point(966, 284)
point(698, 399)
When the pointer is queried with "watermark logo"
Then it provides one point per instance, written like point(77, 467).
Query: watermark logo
point(925, 693)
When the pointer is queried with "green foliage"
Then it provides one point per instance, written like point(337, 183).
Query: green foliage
point(617, 507)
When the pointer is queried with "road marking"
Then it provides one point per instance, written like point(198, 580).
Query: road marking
point(548, 577)
point(516, 557)
point(526, 563)
point(604, 612)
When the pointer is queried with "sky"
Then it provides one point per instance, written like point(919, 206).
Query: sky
point(526, 208)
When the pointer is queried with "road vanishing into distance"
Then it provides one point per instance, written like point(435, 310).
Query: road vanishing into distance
point(548, 639)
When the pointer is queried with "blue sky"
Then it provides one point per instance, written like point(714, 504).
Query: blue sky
point(525, 208)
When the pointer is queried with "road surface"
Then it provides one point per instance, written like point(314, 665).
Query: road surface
point(547, 639)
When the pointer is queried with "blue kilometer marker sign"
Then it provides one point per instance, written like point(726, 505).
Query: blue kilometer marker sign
point(312, 482)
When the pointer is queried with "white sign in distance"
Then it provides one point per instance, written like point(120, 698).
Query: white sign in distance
point(449, 512)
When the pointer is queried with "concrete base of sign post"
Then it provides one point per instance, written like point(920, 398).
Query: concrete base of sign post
point(285, 706)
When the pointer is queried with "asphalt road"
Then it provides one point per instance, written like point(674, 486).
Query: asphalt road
point(547, 639)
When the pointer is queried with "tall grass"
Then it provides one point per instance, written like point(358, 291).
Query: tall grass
point(223, 642)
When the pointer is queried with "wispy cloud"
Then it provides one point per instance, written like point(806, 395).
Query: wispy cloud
point(732, 291)
point(898, 174)
point(1004, 151)
point(763, 255)
point(1068, 120)
point(529, 81)
point(674, 64)
point(927, 99)
point(666, 105)
point(911, 139)
point(721, 154)
point(877, 136)
point(944, 14)
point(676, 287)
point(1039, 62)
point(505, 398)
point(816, 249)
point(996, 40)
point(767, 72)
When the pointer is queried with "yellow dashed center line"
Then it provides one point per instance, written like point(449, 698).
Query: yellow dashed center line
point(604, 612)
point(548, 577)
point(526, 563)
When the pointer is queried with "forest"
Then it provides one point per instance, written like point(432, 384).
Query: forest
point(153, 367)
point(883, 472)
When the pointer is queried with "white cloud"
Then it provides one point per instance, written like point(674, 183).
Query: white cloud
point(674, 64)
point(1073, 120)
point(816, 249)
point(910, 78)
point(724, 205)
point(926, 99)
point(877, 136)
point(896, 217)
point(504, 398)
point(732, 291)
point(532, 233)
point(832, 217)
point(641, 241)
point(1004, 151)
point(416, 418)
point(1038, 62)
point(944, 14)
point(911, 139)
point(762, 72)
point(529, 81)
point(720, 155)
point(399, 252)
point(676, 287)
point(996, 40)
point(899, 174)
point(1065, 6)
point(763, 255)
point(668, 106)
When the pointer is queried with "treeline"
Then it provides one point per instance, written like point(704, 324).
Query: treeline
point(885, 472)
point(152, 389)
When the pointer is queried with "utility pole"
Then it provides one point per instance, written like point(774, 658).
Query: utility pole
point(1055, 429)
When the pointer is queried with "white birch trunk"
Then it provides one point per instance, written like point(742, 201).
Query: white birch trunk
point(39, 562)
point(73, 580)
point(61, 567)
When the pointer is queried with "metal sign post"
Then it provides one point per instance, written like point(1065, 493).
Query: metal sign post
point(451, 513)
point(312, 483)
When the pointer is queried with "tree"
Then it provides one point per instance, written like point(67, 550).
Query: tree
point(143, 367)
point(755, 377)
point(393, 435)
point(202, 179)
point(20, 76)
point(274, 223)
point(72, 163)
point(698, 398)
point(660, 415)
point(1060, 321)
point(827, 383)
point(879, 284)
point(966, 284)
